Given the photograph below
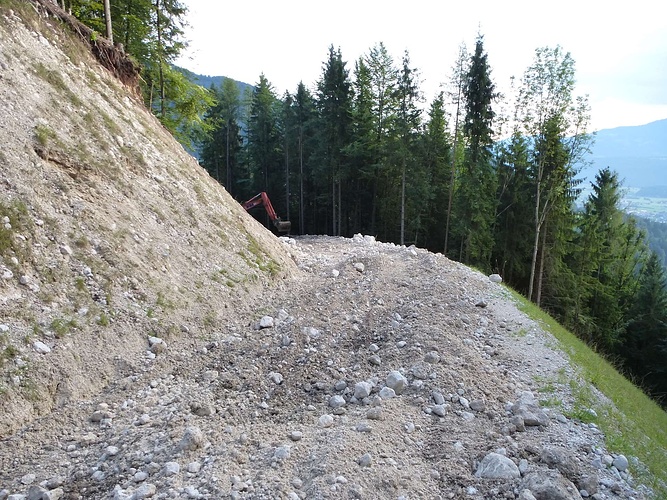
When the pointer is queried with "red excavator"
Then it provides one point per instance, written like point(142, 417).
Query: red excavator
point(283, 226)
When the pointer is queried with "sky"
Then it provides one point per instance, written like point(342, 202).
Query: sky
point(620, 49)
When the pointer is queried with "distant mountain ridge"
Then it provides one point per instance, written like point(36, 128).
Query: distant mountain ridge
point(637, 153)
point(207, 81)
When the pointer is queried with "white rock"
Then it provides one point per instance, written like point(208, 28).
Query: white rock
point(495, 278)
point(171, 469)
point(276, 378)
point(365, 460)
point(362, 390)
point(194, 467)
point(336, 401)
point(396, 381)
point(326, 421)
point(359, 266)
point(335, 273)
point(266, 322)
point(41, 347)
point(387, 393)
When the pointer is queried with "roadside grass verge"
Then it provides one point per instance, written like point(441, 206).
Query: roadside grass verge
point(633, 424)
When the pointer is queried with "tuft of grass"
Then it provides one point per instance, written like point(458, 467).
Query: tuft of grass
point(632, 423)
point(259, 258)
point(103, 320)
point(44, 135)
point(61, 327)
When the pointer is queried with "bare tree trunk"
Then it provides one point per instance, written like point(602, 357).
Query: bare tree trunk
point(107, 17)
point(227, 165)
point(301, 208)
point(453, 170)
point(160, 62)
point(540, 275)
point(536, 242)
point(286, 179)
point(403, 205)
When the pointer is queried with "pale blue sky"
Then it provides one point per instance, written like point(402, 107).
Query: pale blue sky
point(620, 54)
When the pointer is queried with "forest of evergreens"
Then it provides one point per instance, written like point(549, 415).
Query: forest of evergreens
point(360, 152)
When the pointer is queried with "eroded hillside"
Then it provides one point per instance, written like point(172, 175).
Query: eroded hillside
point(110, 230)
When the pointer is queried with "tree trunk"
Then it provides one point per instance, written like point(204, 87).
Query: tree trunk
point(540, 275)
point(107, 17)
point(301, 208)
point(403, 204)
point(160, 51)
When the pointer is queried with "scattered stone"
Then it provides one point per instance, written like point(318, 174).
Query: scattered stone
point(439, 410)
point(296, 435)
point(477, 405)
point(496, 466)
point(192, 439)
point(336, 401)
point(552, 486)
point(621, 463)
point(481, 304)
point(362, 390)
point(171, 469)
point(432, 357)
point(359, 267)
point(495, 278)
point(326, 421)
point(140, 476)
point(276, 378)
point(374, 413)
point(28, 479)
point(375, 360)
point(146, 490)
point(365, 460)
point(387, 393)
point(266, 322)
point(41, 347)
point(193, 467)
point(397, 382)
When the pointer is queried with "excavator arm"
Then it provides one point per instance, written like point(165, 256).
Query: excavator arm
point(283, 226)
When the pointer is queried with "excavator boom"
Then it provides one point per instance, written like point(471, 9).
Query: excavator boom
point(283, 226)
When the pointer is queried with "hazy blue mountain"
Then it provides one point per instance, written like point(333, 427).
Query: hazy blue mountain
point(638, 154)
point(206, 81)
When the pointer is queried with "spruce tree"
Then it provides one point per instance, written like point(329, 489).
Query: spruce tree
point(334, 103)
point(475, 199)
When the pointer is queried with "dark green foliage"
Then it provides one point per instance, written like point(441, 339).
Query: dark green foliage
point(334, 105)
point(221, 145)
point(644, 348)
point(264, 144)
point(475, 193)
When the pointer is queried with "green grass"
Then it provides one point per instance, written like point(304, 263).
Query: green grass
point(633, 424)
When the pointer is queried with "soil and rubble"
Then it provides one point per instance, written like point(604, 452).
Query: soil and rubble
point(379, 372)
point(157, 342)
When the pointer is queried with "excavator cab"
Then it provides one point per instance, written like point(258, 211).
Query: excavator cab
point(283, 226)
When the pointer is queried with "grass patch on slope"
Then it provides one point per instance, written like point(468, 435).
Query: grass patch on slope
point(633, 424)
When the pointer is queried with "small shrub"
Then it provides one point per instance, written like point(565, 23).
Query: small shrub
point(44, 135)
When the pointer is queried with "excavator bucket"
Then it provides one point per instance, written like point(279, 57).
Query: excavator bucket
point(283, 226)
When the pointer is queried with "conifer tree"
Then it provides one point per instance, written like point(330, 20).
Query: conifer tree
point(436, 151)
point(644, 348)
point(334, 103)
point(408, 124)
point(477, 187)
point(264, 143)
